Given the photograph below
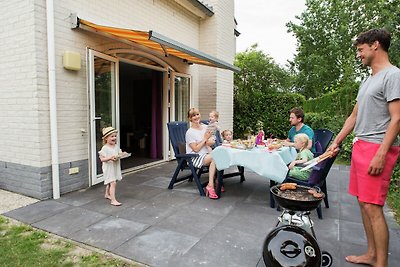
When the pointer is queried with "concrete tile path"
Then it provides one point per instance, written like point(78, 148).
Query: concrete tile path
point(161, 227)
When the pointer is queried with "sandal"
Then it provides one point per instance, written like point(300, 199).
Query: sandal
point(210, 192)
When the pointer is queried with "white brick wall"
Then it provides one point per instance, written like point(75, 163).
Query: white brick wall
point(217, 39)
point(18, 84)
point(24, 103)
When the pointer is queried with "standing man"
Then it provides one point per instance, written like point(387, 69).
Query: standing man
point(296, 119)
point(376, 123)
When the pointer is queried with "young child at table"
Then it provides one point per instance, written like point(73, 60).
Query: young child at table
point(111, 163)
point(300, 143)
point(213, 126)
point(227, 136)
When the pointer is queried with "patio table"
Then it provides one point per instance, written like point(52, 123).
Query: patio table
point(269, 164)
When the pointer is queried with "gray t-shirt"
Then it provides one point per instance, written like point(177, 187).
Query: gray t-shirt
point(373, 113)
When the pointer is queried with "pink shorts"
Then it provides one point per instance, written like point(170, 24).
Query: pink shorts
point(368, 188)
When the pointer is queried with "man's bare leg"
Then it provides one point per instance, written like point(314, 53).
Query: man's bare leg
point(377, 237)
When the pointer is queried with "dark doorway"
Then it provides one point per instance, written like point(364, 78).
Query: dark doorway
point(140, 114)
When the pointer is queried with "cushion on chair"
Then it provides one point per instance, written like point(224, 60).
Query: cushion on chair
point(182, 148)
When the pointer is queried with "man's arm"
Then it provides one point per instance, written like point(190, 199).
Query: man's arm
point(346, 130)
point(378, 161)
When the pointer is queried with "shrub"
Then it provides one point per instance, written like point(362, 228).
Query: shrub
point(271, 109)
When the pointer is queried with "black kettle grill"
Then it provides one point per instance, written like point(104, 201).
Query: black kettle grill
point(290, 245)
point(293, 242)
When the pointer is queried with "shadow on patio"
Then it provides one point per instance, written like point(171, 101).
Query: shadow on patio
point(161, 227)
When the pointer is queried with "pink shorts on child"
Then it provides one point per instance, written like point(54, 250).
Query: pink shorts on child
point(368, 188)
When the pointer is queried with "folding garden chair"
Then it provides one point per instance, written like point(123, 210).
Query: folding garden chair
point(177, 131)
point(322, 139)
point(317, 178)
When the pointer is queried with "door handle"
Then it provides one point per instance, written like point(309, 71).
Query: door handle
point(97, 118)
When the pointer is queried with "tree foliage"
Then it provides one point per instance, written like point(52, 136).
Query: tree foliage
point(260, 73)
point(261, 94)
point(326, 57)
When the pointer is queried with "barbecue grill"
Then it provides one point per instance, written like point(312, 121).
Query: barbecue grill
point(293, 242)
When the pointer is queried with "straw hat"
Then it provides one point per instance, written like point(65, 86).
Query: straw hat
point(107, 131)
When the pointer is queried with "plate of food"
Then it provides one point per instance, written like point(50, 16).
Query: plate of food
point(123, 155)
point(242, 144)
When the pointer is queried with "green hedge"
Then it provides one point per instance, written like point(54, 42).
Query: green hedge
point(339, 102)
point(272, 109)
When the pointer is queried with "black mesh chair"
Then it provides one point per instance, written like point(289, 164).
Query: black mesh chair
point(317, 178)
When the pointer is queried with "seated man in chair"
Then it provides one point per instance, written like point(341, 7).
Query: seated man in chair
point(296, 119)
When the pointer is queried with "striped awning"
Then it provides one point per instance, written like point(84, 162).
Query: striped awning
point(156, 42)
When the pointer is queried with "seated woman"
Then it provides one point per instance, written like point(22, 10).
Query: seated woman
point(197, 140)
point(301, 142)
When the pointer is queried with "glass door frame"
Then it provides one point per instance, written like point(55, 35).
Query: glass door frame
point(171, 103)
point(91, 54)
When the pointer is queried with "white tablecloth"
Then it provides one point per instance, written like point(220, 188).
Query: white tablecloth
point(272, 165)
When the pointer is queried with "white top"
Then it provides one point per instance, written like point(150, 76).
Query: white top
point(111, 169)
point(196, 136)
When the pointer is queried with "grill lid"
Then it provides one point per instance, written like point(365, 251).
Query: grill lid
point(288, 246)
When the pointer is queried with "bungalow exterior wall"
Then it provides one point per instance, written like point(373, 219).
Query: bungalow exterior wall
point(25, 153)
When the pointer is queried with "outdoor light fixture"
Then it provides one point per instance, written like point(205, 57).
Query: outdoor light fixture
point(71, 60)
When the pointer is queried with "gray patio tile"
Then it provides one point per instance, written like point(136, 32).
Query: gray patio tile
point(333, 196)
point(250, 219)
point(351, 249)
point(109, 233)
point(350, 211)
point(223, 246)
point(82, 197)
point(157, 208)
point(345, 198)
point(209, 206)
point(331, 212)
point(390, 219)
point(140, 192)
point(37, 211)
point(69, 221)
point(352, 232)
point(103, 205)
point(394, 241)
point(190, 222)
point(156, 246)
point(161, 182)
point(178, 227)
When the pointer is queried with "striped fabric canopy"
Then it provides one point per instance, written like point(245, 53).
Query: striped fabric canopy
point(157, 42)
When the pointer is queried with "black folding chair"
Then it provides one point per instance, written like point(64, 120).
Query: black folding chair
point(322, 138)
point(317, 178)
point(177, 131)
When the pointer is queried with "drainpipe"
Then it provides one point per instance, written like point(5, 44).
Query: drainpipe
point(52, 98)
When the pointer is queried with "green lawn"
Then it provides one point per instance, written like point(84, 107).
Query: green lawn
point(22, 245)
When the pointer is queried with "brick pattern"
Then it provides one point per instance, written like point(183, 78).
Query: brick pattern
point(37, 182)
